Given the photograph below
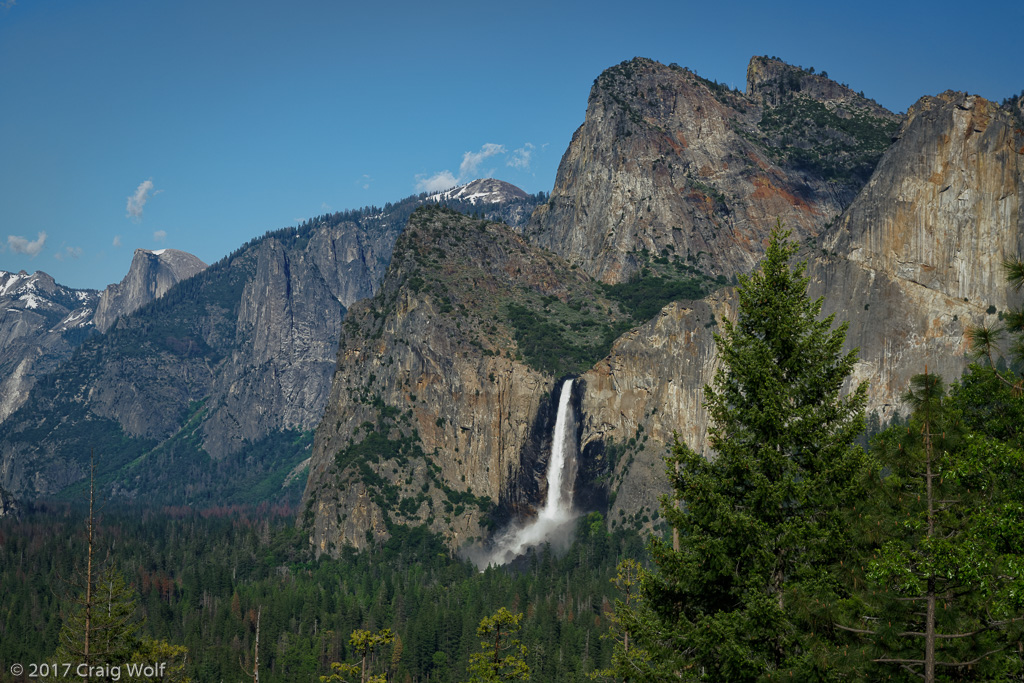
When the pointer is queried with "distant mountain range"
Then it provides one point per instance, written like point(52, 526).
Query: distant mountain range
point(195, 368)
point(42, 322)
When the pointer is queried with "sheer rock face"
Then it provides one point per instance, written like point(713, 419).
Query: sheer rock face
point(943, 209)
point(289, 320)
point(253, 338)
point(914, 261)
point(668, 161)
point(41, 322)
point(429, 359)
point(151, 274)
point(918, 258)
point(649, 389)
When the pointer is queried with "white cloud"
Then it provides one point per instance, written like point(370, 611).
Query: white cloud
point(137, 202)
point(469, 169)
point(437, 182)
point(471, 160)
point(8, 4)
point(159, 235)
point(365, 181)
point(117, 240)
point(21, 245)
point(521, 157)
point(69, 252)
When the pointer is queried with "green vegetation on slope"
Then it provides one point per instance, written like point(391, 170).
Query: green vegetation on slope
point(659, 282)
point(501, 294)
point(810, 136)
point(506, 296)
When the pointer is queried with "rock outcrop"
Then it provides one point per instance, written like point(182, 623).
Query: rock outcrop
point(668, 162)
point(943, 207)
point(151, 274)
point(649, 390)
point(918, 257)
point(433, 403)
point(775, 83)
point(913, 262)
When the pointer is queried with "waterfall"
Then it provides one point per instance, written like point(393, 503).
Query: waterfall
point(554, 519)
point(562, 465)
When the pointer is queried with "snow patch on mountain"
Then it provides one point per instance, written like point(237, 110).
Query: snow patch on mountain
point(482, 191)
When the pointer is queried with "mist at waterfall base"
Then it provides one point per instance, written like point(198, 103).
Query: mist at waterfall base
point(555, 521)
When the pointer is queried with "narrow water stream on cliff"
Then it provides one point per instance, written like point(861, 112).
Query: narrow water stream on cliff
point(554, 520)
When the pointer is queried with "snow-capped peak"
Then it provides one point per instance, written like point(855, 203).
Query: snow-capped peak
point(483, 191)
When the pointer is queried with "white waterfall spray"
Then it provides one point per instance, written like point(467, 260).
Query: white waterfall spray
point(554, 519)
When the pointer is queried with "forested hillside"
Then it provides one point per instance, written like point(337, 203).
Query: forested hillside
point(200, 577)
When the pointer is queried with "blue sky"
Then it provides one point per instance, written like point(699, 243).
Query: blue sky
point(198, 125)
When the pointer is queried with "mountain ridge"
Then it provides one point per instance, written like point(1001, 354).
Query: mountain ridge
point(696, 170)
point(648, 388)
point(151, 274)
point(229, 362)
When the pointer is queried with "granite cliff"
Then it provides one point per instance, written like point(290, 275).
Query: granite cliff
point(149, 277)
point(912, 263)
point(42, 322)
point(215, 380)
point(669, 162)
point(918, 257)
point(440, 380)
point(904, 232)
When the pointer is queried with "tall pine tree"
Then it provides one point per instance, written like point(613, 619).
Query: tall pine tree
point(759, 521)
point(944, 592)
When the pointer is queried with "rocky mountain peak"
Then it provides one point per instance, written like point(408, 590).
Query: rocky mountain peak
point(61, 308)
point(22, 286)
point(481, 191)
point(40, 323)
point(774, 82)
point(151, 274)
point(669, 163)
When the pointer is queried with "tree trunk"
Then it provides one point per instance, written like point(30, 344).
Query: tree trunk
point(929, 626)
point(88, 562)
